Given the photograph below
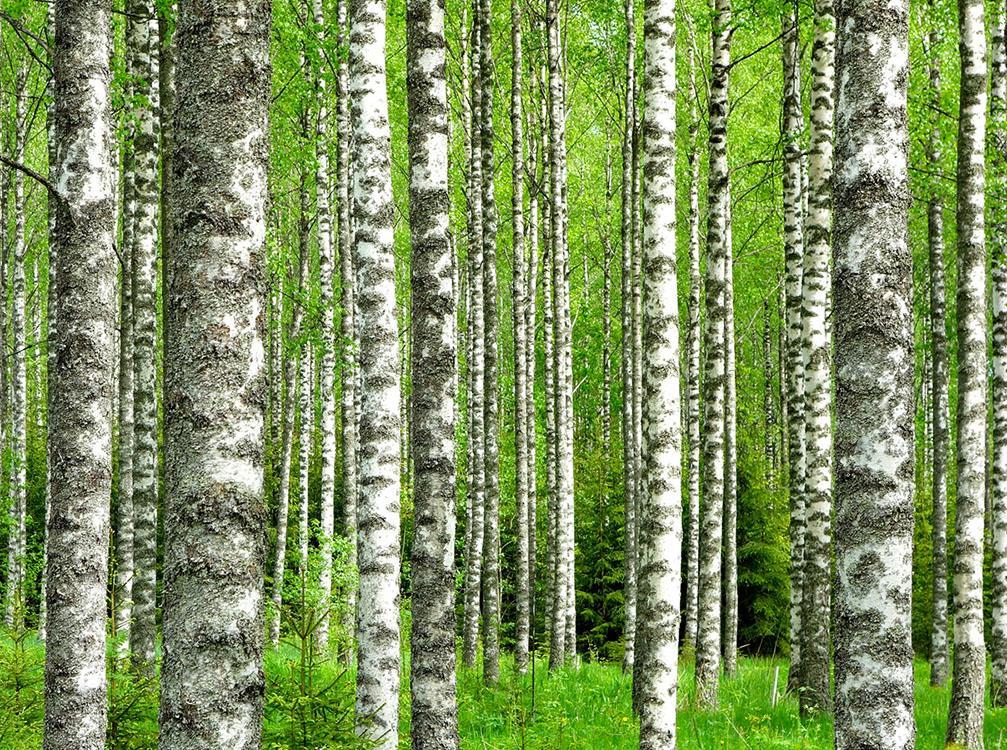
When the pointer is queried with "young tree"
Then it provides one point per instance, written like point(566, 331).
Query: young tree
point(816, 693)
point(729, 618)
point(378, 620)
point(874, 382)
point(81, 379)
point(708, 643)
point(660, 520)
point(212, 678)
point(793, 383)
point(434, 709)
point(965, 718)
point(938, 383)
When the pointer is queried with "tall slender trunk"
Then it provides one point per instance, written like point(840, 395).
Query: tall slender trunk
point(522, 399)
point(531, 431)
point(549, 372)
point(874, 382)
point(711, 530)
point(327, 360)
point(628, 421)
point(491, 538)
point(80, 434)
point(433, 664)
point(477, 444)
point(768, 403)
point(816, 600)
point(793, 378)
point(998, 224)
point(965, 718)
point(144, 249)
point(660, 541)
point(628, 434)
point(304, 440)
point(693, 338)
point(378, 622)
point(729, 619)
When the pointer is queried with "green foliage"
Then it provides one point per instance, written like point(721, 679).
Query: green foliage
point(22, 681)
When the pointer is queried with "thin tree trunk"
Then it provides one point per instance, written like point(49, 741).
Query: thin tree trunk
point(793, 240)
point(874, 382)
point(531, 431)
point(711, 531)
point(80, 436)
point(434, 707)
point(521, 388)
point(660, 541)
point(768, 404)
point(694, 335)
point(304, 440)
point(965, 717)
point(144, 249)
point(378, 622)
point(729, 627)
point(477, 444)
point(816, 600)
point(628, 420)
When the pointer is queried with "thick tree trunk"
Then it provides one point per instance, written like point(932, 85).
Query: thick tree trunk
point(476, 324)
point(874, 382)
point(965, 718)
point(212, 681)
point(628, 421)
point(998, 224)
point(660, 521)
point(143, 632)
point(816, 600)
point(81, 380)
point(793, 382)
point(378, 621)
point(434, 708)
point(711, 532)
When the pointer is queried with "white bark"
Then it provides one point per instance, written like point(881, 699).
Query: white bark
point(874, 382)
point(729, 617)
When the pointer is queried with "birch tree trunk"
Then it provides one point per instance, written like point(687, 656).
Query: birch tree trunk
point(660, 520)
point(816, 601)
point(531, 430)
point(523, 395)
point(326, 272)
point(729, 620)
point(965, 718)
point(477, 443)
point(212, 680)
point(711, 529)
point(304, 439)
point(998, 221)
point(491, 535)
point(434, 708)
point(939, 391)
point(144, 240)
point(793, 242)
point(80, 425)
point(693, 338)
point(378, 621)
point(628, 422)
point(874, 382)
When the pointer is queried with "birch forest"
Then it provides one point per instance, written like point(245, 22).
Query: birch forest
point(503, 374)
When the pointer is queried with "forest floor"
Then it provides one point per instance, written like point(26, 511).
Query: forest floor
point(584, 708)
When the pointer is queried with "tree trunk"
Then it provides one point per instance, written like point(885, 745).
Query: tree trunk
point(378, 622)
point(874, 382)
point(694, 334)
point(80, 427)
point(531, 431)
point(304, 440)
point(628, 421)
point(434, 708)
point(729, 627)
point(711, 530)
point(143, 632)
point(965, 719)
point(477, 444)
point(660, 540)
point(816, 600)
point(793, 241)
point(212, 681)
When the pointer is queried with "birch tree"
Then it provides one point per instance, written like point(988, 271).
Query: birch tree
point(660, 519)
point(80, 422)
point(965, 719)
point(379, 484)
point(729, 618)
point(874, 382)
point(434, 709)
